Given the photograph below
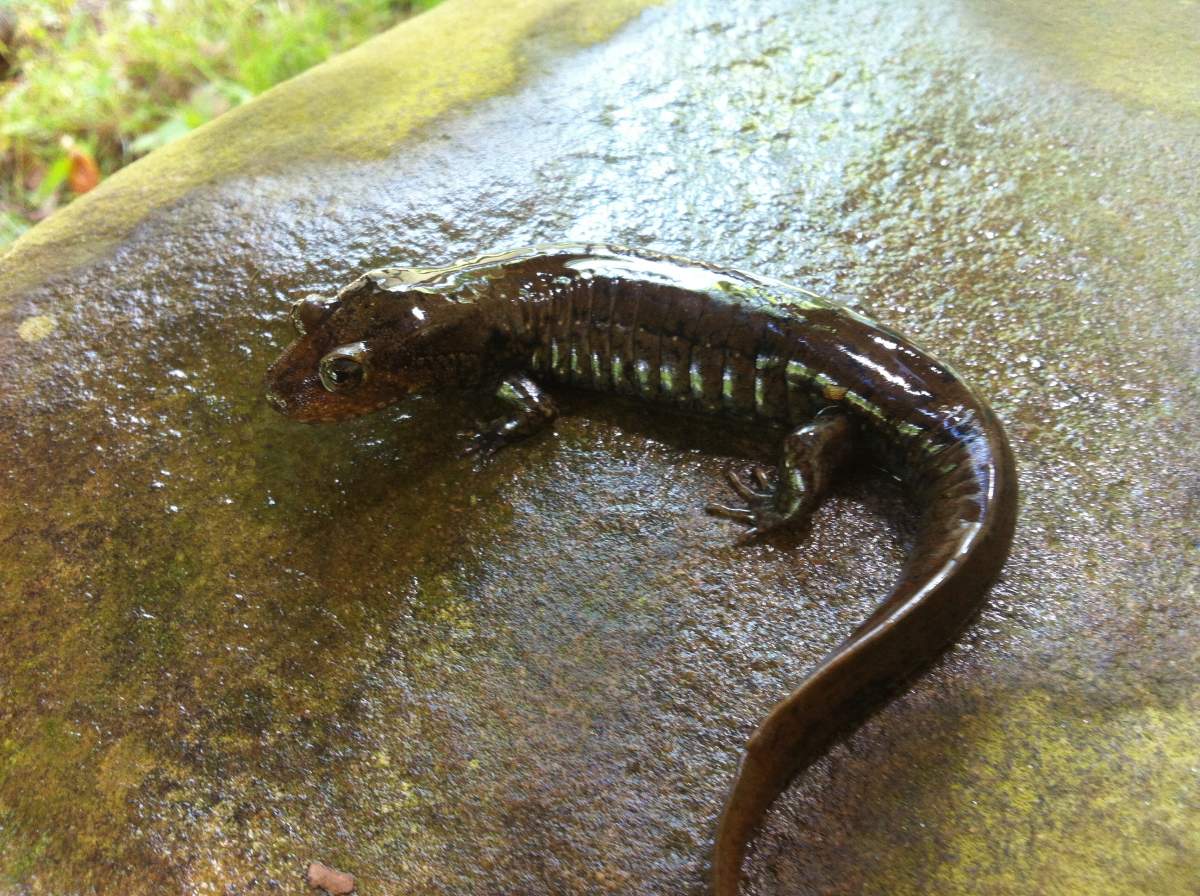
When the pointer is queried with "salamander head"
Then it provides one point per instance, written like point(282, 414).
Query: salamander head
point(378, 341)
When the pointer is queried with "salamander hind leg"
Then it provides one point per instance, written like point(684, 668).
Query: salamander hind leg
point(811, 456)
point(532, 410)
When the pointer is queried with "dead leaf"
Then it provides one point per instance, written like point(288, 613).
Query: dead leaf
point(85, 173)
point(333, 882)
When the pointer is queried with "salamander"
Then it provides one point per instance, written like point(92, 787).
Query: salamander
point(716, 341)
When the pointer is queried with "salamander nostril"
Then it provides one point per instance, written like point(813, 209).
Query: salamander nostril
point(277, 401)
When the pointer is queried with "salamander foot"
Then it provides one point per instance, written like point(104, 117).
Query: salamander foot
point(532, 410)
point(811, 455)
point(759, 513)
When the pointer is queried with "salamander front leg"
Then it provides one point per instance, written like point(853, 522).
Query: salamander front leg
point(811, 456)
point(532, 411)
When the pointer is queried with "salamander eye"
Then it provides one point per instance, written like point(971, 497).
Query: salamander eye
point(344, 368)
point(309, 311)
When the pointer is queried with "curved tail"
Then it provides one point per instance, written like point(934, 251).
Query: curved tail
point(970, 495)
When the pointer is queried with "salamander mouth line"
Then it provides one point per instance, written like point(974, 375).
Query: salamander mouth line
point(356, 412)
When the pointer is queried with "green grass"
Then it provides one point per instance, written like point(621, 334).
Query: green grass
point(111, 81)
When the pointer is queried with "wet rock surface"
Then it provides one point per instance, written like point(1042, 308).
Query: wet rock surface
point(233, 645)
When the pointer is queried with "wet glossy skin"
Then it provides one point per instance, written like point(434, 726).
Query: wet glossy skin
point(718, 342)
point(560, 656)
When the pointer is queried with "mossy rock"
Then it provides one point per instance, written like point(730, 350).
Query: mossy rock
point(232, 645)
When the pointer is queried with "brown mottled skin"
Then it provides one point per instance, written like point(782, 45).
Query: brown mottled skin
point(715, 341)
